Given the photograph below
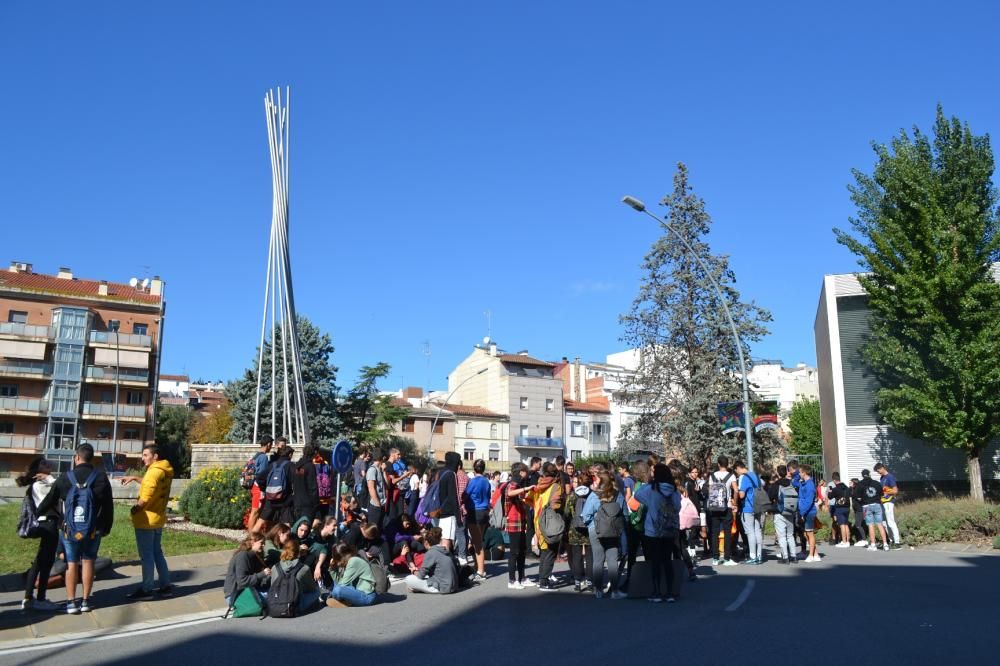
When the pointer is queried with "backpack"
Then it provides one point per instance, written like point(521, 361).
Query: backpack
point(789, 501)
point(718, 493)
point(551, 524)
point(249, 474)
point(283, 596)
point(844, 496)
point(498, 510)
point(637, 519)
point(278, 483)
point(79, 510)
point(666, 522)
point(381, 576)
point(577, 522)
point(761, 501)
point(248, 603)
point(430, 504)
point(324, 481)
point(28, 526)
point(609, 521)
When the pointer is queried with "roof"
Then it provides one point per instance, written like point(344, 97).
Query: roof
point(574, 406)
point(472, 410)
point(521, 359)
point(50, 284)
point(175, 378)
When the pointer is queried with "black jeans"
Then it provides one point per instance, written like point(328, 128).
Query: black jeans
point(515, 555)
point(41, 567)
point(660, 553)
point(376, 516)
point(581, 562)
point(720, 522)
point(546, 561)
point(633, 539)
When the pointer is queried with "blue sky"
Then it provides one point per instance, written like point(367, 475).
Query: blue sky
point(450, 158)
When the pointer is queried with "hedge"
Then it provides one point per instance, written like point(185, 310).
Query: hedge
point(215, 498)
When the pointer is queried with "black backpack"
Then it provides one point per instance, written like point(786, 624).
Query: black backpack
point(283, 597)
point(609, 521)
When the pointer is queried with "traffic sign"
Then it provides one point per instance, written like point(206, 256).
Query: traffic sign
point(342, 457)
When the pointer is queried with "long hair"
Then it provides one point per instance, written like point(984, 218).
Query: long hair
point(290, 551)
point(606, 490)
point(248, 542)
point(640, 471)
point(28, 477)
point(341, 555)
point(274, 534)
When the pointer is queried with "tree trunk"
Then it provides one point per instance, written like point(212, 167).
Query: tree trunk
point(975, 478)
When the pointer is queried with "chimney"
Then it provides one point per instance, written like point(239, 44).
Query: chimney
point(20, 267)
point(65, 273)
point(102, 289)
point(156, 286)
point(412, 392)
point(493, 348)
point(581, 384)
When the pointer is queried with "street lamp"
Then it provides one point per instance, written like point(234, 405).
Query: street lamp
point(634, 203)
point(114, 326)
point(430, 451)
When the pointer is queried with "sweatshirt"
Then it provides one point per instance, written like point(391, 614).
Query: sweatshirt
point(154, 492)
point(439, 570)
point(304, 575)
point(448, 493)
point(357, 574)
point(245, 570)
point(807, 496)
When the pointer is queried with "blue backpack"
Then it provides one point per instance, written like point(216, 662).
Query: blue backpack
point(79, 512)
point(278, 482)
point(430, 504)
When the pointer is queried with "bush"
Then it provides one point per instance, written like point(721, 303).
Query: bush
point(947, 520)
point(996, 542)
point(215, 498)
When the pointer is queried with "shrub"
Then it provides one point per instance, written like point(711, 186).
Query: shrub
point(948, 520)
point(996, 542)
point(215, 498)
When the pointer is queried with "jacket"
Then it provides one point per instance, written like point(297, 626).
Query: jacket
point(439, 570)
point(305, 489)
point(154, 491)
point(103, 501)
point(548, 492)
point(574, 508)
point(448, 493)
point(304, 576)
point(357, 574)
point(245, 570)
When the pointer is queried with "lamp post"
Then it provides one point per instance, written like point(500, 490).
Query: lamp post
point(118, 368)
point(430, 439)
point(634, 203)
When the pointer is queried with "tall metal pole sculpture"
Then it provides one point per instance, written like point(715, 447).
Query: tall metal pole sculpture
point(287, 397)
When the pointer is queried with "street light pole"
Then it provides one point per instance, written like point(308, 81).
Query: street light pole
point(118, 372)
point(634, 203)
point(430, 439)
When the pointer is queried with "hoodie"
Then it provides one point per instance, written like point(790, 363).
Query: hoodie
point(154, 493)
point(655, 497)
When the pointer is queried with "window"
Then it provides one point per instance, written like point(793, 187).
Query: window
point(469, 453)
point(107, 397)
point(494, 452)
point(70, 324)
point(598, 429)
point(549, 404)
point(493, 431)
point(62, 434)
point(439, 427)
point(114, 325)
point(548, 432)
point(17, 317)
point(524, 402)
point(409, 425)
point(575, 455)
point(134, 397)
point(65, 397)
point(576, 429)
point(104, 432)
point(69, 360)
point(9, 391)
point(140, 329)
point(468, 429)
point(524, 431)
point(6, 428)
point(131, 433)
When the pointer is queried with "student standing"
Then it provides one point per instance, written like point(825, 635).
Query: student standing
point(807, 511)
point(149, 515)
point(721, 509)
point(889, 492)
point(750, 486)
point(40, 483)
point(870, 492)
point(660, 529)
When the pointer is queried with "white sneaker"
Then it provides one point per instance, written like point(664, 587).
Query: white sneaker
point(843, 544)
point(885, 547)
point(72, 608)
point(861, 544)
point(730, 563)
point(514, 586)
point(527, 582)
point(872, 547)
point(618, 594)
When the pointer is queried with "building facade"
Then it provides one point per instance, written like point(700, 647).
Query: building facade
point(78, 363)
point(854, 437)
point(771, 380)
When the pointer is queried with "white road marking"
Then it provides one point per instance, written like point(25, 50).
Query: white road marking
point(744, 595)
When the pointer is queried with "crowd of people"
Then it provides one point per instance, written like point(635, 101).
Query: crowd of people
point(436, 527)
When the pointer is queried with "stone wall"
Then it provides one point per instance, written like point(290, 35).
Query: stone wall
point(220, 455)
point(11, 493)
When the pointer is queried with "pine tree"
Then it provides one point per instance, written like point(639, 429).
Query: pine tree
point(319, 379)
point(687, 358)
point(368, 416)
point(926, 233)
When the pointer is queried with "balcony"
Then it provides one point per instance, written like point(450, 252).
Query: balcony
point(21, 331)
point(125, 376)
point(28, 442)
point(112, 340)
point(130, 447)
point(538, 442)
point(102, 411)
point(600, 443)
point(10, 367)
point(24, 407)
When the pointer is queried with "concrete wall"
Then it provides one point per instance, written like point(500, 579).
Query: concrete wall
point(11, 493)
point(220, 455)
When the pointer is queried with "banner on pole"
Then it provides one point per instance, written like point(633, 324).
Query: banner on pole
point(764, 415)
point(731, 417)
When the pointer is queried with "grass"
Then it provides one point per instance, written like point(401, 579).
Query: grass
point(949, 520)
point(16, 554)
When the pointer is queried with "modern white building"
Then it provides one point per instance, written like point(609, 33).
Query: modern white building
point(854, 437)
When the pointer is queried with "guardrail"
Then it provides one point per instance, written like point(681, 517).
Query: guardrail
point(105, 409)
point(547, 442)
point(27, 330)
point(125, 374)
point(127, 339)
point(24, 404)
point(19, 367)
point(21, 442)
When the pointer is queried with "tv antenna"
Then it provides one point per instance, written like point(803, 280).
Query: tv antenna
point(489, 323)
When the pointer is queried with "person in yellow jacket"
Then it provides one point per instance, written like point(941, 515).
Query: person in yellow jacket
point(548, 492)
point(149, 515)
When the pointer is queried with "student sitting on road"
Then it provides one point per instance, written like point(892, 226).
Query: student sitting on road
point(246, 568)
point(437, 574)
point(290, 561)
point(275, 542)
point(353, 580)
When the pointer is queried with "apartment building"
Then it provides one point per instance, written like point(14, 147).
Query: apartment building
point(78, 363)
point(587, 410)
point(517, 386)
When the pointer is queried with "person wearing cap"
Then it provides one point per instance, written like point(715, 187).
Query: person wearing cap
point(870, 492)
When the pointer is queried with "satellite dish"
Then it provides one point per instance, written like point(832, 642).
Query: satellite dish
point(133, 282)
point(145, 283)
point(486, 340)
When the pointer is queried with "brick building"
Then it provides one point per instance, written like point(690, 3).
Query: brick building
point(68, 347)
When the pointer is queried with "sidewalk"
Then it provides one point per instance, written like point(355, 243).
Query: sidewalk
point(198, 580)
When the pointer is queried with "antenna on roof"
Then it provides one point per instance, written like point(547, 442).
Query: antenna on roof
point(133, 282)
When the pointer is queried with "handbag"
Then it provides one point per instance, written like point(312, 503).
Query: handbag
point(28, 526)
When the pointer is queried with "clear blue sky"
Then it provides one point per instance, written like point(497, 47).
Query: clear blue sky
point(454, 157)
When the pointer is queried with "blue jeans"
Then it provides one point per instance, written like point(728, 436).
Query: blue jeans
point(352, 596)
point(151, 554)
point(85, 549)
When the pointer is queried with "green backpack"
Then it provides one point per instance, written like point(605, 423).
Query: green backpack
point(637, 519)
point(248, 603)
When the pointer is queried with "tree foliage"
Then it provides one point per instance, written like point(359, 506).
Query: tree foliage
point(213, 428)
point(925, 234)
point(687, 361)
point(173, 426)
point(806, 427)
point(369, 417)
point(319, 376)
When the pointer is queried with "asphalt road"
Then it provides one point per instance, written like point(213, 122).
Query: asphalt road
point(855, 606)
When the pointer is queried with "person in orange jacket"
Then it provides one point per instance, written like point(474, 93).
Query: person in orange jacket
point(149, 515)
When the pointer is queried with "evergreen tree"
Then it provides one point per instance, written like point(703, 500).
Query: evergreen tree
point(687, 361)
point(319, 379)
point(926, 233)
point(806, 427)
point(368, 416)
point(173, 425)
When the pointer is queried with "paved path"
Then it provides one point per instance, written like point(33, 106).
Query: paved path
point(917, 606)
